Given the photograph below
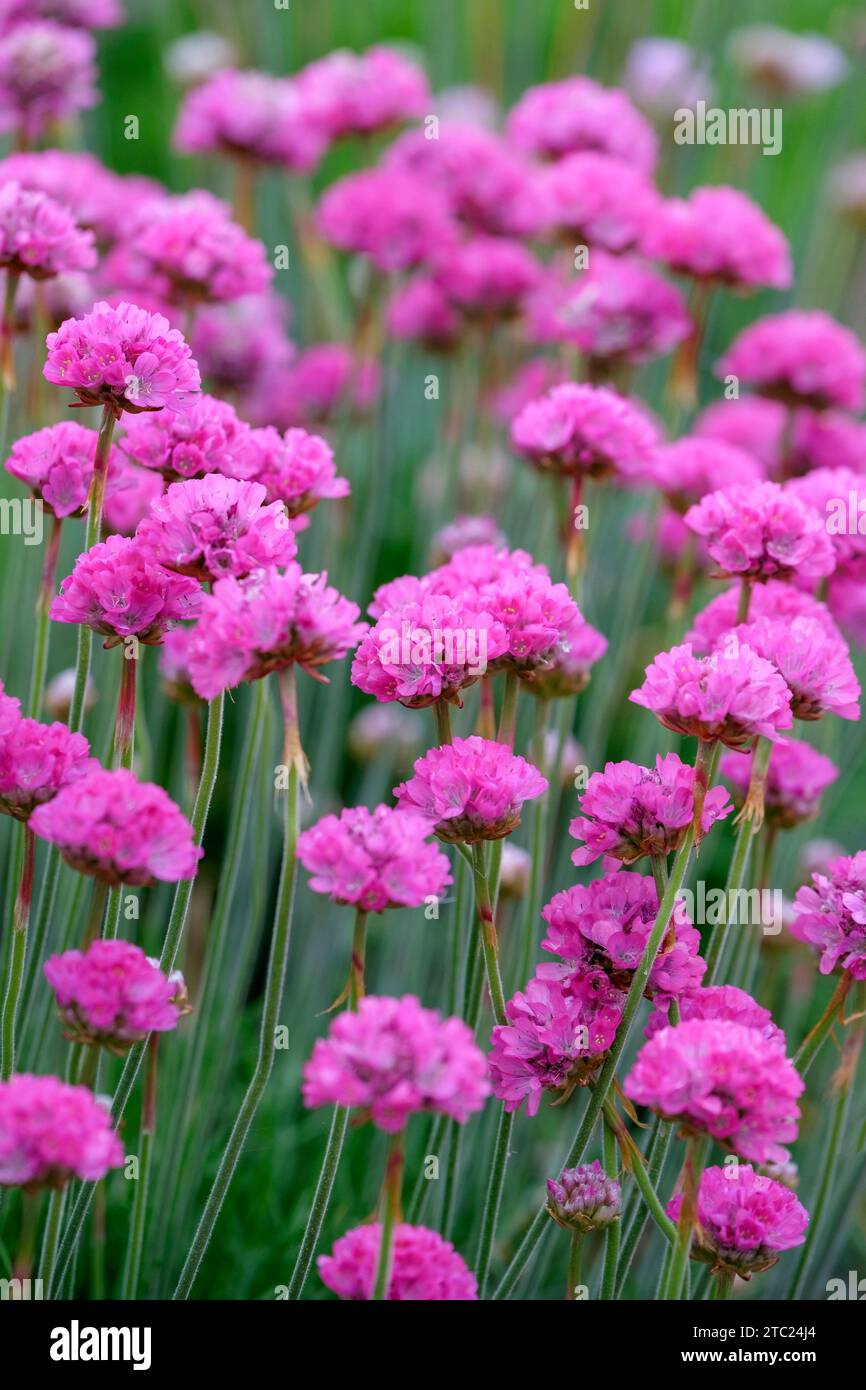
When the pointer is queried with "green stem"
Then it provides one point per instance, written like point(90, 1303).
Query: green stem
point(487, 932)
point(139, 1207)
point(442, 711)
point(493, 1199)
point(574, 1263)
point(50, 1235)
point(656, 1154)
point(12, 993)
point(43, 622)
point(724, 1283)
point(390, 1215)
point(508, 713)
point(733, 883)
point(273, 997)
point(611, 1240)
point(124, 728)
point(696, 1152)
point(538, 819)
point(812, 1043)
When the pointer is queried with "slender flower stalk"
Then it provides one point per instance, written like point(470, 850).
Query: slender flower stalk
point(391, 1213)
point(572, 1283)
point(696, 1151)
point(43, 622)
point(20, 922)
point(139, 1207)
point(612, 1232)
point(815, 1039)
point(487, 931)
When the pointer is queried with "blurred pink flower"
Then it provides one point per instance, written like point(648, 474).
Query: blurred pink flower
point(396, 219)
point(576, 113)
point(360, 93)
point(718, 234)
point(797, 777)
point(51, 1132)
point(801, 358)
point(830, 914)
point(251, 115)
point(39, 237)
point(426, 1268)
point(485, 276)
point(598, 200)
point(688, 469)
point(47, 75)
point(112, 995)
point(374, 859)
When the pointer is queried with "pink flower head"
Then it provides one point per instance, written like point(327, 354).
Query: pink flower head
point(689, 468)
point(235, 344)
point(36, 761)
point(56, 463)
point(464, 531)
point(718, 234)
point(486, 276)
point(207, 438)
point(584, 1199)
point(598, 199)
point(39, 237)
point(473, 789)
point(51, 1132)
point(775, 600)
point(558, 1031)
point(759, 531)
point(264, 623)
point(97, 197)
point(584, 430)
point(47, 74)
point(296, 469)
point(752, 423)
point(722, 1079)
point(629, 811)
point(663, 75)
point(394, 218)
point(251, 115)
point(838, 495)
point(725, 1002)
point(129, 494)
point(488, 185)
point(420, 310)
point(392, 1058)
point(820, 440)
point(797, 778)
point(359, 93)
point(112, 995)
point(846, 599)
point(617, 310)
point(119, 590)
point(731, 695)
point(577, 113)
point(188, 251)
point(425, 1268)
point(800, 358)
point(601, 930)
point(321, 382)
point(119, 830)
point(812, 661)
point(568, 670)
point(214, 526)
point(76, 14)
point(374, 859)
point(830, 914)
point(744, 1220)
point(123, 357)
point(428, 648)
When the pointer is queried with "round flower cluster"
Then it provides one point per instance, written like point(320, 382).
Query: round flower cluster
point(420, 310)
point(392, 1058)
point(360, 93)
point(733, 696)
point(112, 995)
point(124, 358)
point(722, 1002)
point(719, 234)
point(759, 531)
point(836, 493)
point(598, 200)
point(486, 276)
point(688, 469)
point(584, 1199)
point(296, 469)
point(392, 217)
point(214, 526)
point(36, 761)
point(798, 775)
point(251, 116)
point(321, 381)
point(51, 1132)
point(374, 859)
point(570, 665)
point(812, 660)
point(56, 463)
point(237, 344)
point(119, 830)
point(556, 118)
point(47, 74)
point(472, 789)
point(585, 430)
point(425, 1267)
point(119, 590)
point(800, 358)
point(775, 600)
point(629, 811)
point(206, 438)
point(830, 914)
point(722, 1079)
point(39, 237)
point(744, 1220)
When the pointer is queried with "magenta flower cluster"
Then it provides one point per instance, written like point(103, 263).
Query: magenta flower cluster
point(830, 914)
point(51, 1132)
point(472, 789)
point(374, 859)
point(744, 1220)
point(426, 1268)
point(112, 995)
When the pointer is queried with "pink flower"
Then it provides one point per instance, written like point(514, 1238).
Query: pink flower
point(214, 526)
point(47, 74)
point(629, 811)
point(129, 493)
point(734, 696)
point(819, 440)
point(775, 599)
point(473, 789)
point(847, 602)
point(77, 14)
point(718, 234)
point(112, 995)
point(36, 761)
point(188, 251)
point(236, 343)
point(813, 662)
point(207, 438)
point(359, 93)
point(725, 1002)
point(602, 928)
point(120, 591)
point(598, 199)
point(39, 237)
point(722, 1079)
point(584, 430)
point(800, 358)
point(374, 859)
point(558, 1031)
point(798, 776)
point(759, 531)
point(97, 197)
point(426, 1268)
point(830, 914)
point(488, 185)
point(662, 75)
point(119, 830)
point(264, 623)
point(396, 219)
point(838, 495)
point(744, 1220)
point(617, 310)
point(584, 1199)
point(420, 310)
point(486, 275)
point(577, 113)
point(321, 382)
point(123, 357)
point(297, 469)
point(393, 1059)
point(56, 463)
point(251, 115)
point(51, 1132)
point(688, 469)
